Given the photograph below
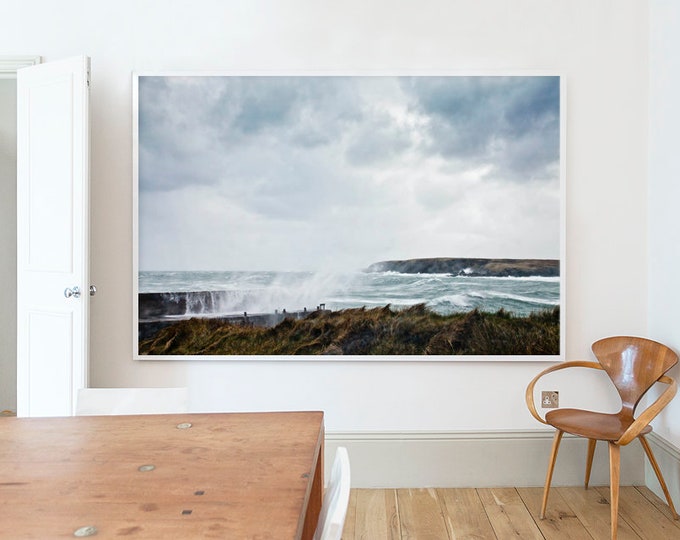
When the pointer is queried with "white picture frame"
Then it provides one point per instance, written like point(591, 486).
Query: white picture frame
point(175, 157)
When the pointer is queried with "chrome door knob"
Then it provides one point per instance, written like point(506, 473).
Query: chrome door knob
point(74, 292)
point(93, 290)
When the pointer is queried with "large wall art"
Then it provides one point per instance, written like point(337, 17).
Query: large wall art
point(373, 217)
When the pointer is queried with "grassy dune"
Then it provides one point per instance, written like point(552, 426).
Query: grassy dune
point(380, 331)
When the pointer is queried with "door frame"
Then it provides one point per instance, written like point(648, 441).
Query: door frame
point(10, 64)
point(8, 71)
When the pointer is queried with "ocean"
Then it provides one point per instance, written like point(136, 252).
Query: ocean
point(232, 293)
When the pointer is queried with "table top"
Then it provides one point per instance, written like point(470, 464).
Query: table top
point(235, 475)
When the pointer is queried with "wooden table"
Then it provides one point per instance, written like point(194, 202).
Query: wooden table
point(236, 476)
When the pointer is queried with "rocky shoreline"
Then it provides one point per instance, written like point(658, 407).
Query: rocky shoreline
point(471, 267)
point(148, 327)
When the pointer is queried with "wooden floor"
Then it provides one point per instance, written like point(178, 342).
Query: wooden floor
point(505, 513)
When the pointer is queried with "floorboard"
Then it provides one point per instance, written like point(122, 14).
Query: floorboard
point(376, 515)
point(646, 520)
point(464, 514)
point(659, 503)
point(592, 510)
point(420, 514)
point(505, 513)
point(561, 522)
point(508, 515)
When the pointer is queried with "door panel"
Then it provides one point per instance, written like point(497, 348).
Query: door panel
point(51, 178)
point(53, 378)
point(52, 235)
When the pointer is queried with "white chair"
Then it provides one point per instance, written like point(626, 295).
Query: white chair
point(335, 499)
point(113, 401)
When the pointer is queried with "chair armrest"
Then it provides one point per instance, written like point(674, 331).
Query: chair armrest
point(529, 395)
point(650, 412)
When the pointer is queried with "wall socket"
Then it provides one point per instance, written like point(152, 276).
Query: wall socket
point(550, 399)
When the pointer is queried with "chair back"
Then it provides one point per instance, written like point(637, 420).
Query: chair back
point(113, 401)
point(633, 364)
point(335, 499)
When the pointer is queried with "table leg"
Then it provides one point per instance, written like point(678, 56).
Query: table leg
point(315, 496)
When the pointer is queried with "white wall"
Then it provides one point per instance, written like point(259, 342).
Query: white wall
point(8, 243)
point(599, 45)
point(664, 231)
point(664, 193)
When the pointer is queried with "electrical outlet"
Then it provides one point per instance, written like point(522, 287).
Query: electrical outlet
point(550, 399)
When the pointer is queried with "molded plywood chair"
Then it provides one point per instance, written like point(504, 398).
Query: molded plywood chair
point(633, 365)
point(113, 401)
point(335, 499)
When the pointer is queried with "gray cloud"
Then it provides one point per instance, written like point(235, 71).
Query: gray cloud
point(511, 123)
point(190, 128)
point(377, 140)
point(284, 172)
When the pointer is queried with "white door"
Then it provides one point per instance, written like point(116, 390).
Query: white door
point(52, 236)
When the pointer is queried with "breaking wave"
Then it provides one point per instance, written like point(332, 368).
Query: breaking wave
point(174, 294)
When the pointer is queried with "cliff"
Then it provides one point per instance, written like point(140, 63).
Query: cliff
point(472, 267)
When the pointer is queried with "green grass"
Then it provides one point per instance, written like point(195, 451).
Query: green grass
point(378, 331)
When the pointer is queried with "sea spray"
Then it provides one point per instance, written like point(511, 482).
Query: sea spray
point(228, 293)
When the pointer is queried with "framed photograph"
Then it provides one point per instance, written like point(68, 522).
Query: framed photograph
point(382, 217)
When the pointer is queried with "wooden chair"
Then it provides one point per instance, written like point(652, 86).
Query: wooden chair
point(634, 365)
point(335, 499)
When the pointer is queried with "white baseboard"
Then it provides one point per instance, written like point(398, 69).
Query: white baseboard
point(668, 458)
point(474, 459)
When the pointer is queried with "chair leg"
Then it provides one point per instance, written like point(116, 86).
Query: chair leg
point(659, 476)
point(614, 468)
point(589, 459)
point(551, 467)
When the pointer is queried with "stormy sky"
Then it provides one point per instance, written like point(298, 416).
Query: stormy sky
point(335, 173)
